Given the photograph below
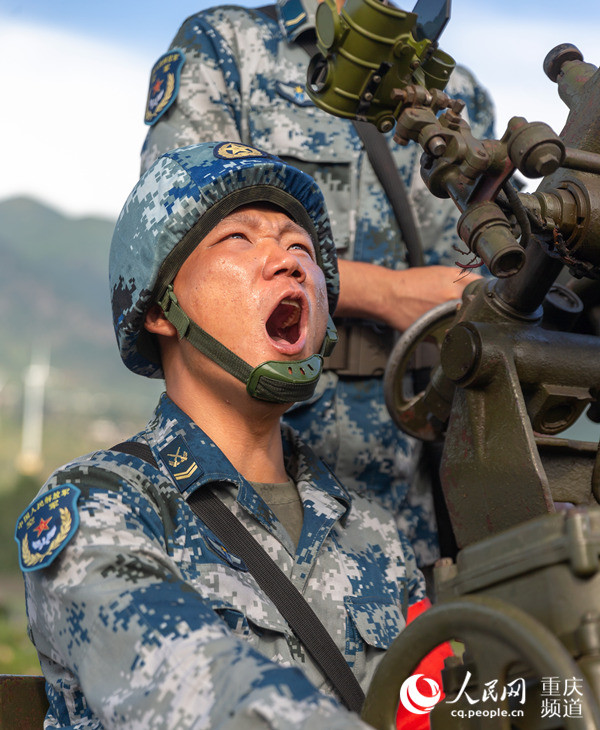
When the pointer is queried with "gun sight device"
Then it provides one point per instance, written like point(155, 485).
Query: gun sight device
point(372, 48)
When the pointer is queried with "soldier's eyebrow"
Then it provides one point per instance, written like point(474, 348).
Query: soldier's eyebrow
point(250, 217)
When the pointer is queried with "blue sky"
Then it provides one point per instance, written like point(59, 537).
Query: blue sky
point(75, 82)
point(155, 22)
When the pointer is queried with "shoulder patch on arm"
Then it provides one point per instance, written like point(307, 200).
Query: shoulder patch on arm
point(164, 84)
point(46, 526)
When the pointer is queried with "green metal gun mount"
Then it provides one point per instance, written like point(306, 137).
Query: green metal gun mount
point(524, 593)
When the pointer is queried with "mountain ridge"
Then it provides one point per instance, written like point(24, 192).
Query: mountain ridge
point(54, 287)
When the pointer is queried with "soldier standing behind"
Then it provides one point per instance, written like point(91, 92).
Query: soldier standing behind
point(238, 73)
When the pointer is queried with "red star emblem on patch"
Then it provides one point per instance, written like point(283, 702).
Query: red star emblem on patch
point(156, 87)
point(43, 525)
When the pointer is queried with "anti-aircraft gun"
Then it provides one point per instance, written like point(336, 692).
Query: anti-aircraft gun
point(523, 595)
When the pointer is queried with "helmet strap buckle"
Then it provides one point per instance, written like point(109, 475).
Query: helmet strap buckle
point(173, 312)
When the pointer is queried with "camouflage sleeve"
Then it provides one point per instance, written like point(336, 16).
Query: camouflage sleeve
point(479, 110)
point(115, 621)
point(208, 104)
point(415, 579)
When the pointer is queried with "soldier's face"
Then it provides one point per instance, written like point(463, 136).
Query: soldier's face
point(254, 284)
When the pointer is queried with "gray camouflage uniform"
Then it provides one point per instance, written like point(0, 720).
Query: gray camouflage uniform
point(145, 621)
point(243, 79)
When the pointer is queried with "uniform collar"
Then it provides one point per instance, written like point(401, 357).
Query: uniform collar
point(192, 459)
point(296, 16)
point(302, 464)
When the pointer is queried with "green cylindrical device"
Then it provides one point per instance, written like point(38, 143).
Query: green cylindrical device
point(367, 51)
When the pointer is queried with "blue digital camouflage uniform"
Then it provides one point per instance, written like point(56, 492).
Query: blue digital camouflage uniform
point(142, 620)
point(243, 79)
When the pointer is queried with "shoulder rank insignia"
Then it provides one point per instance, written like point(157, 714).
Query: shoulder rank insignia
point(294, 93)
point(164, 84)
point(46, 526)
point(180, 461)
point(292, 13)
point(237, 151)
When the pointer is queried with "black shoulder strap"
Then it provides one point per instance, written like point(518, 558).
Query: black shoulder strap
point(269, 10)
point(385, 168)
point(289, 601)
point(136, 448)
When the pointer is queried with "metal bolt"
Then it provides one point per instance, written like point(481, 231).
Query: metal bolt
point(546, 164)
point(436, 146)
point(557, 57)
point(457, 105)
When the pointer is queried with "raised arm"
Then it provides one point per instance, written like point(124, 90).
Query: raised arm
point(396, 298)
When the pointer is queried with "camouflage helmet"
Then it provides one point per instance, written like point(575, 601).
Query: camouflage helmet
point(180, 198)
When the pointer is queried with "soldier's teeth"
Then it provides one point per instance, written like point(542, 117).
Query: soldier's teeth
point(294, 315)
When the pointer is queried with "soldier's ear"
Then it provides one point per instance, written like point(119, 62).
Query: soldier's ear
point(156, 322)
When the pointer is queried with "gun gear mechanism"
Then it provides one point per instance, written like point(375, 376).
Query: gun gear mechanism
point(516, 369)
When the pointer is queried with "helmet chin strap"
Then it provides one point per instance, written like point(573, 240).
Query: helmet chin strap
point(273, 381)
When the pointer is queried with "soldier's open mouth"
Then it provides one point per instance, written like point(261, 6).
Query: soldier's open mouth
point(284, 322)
